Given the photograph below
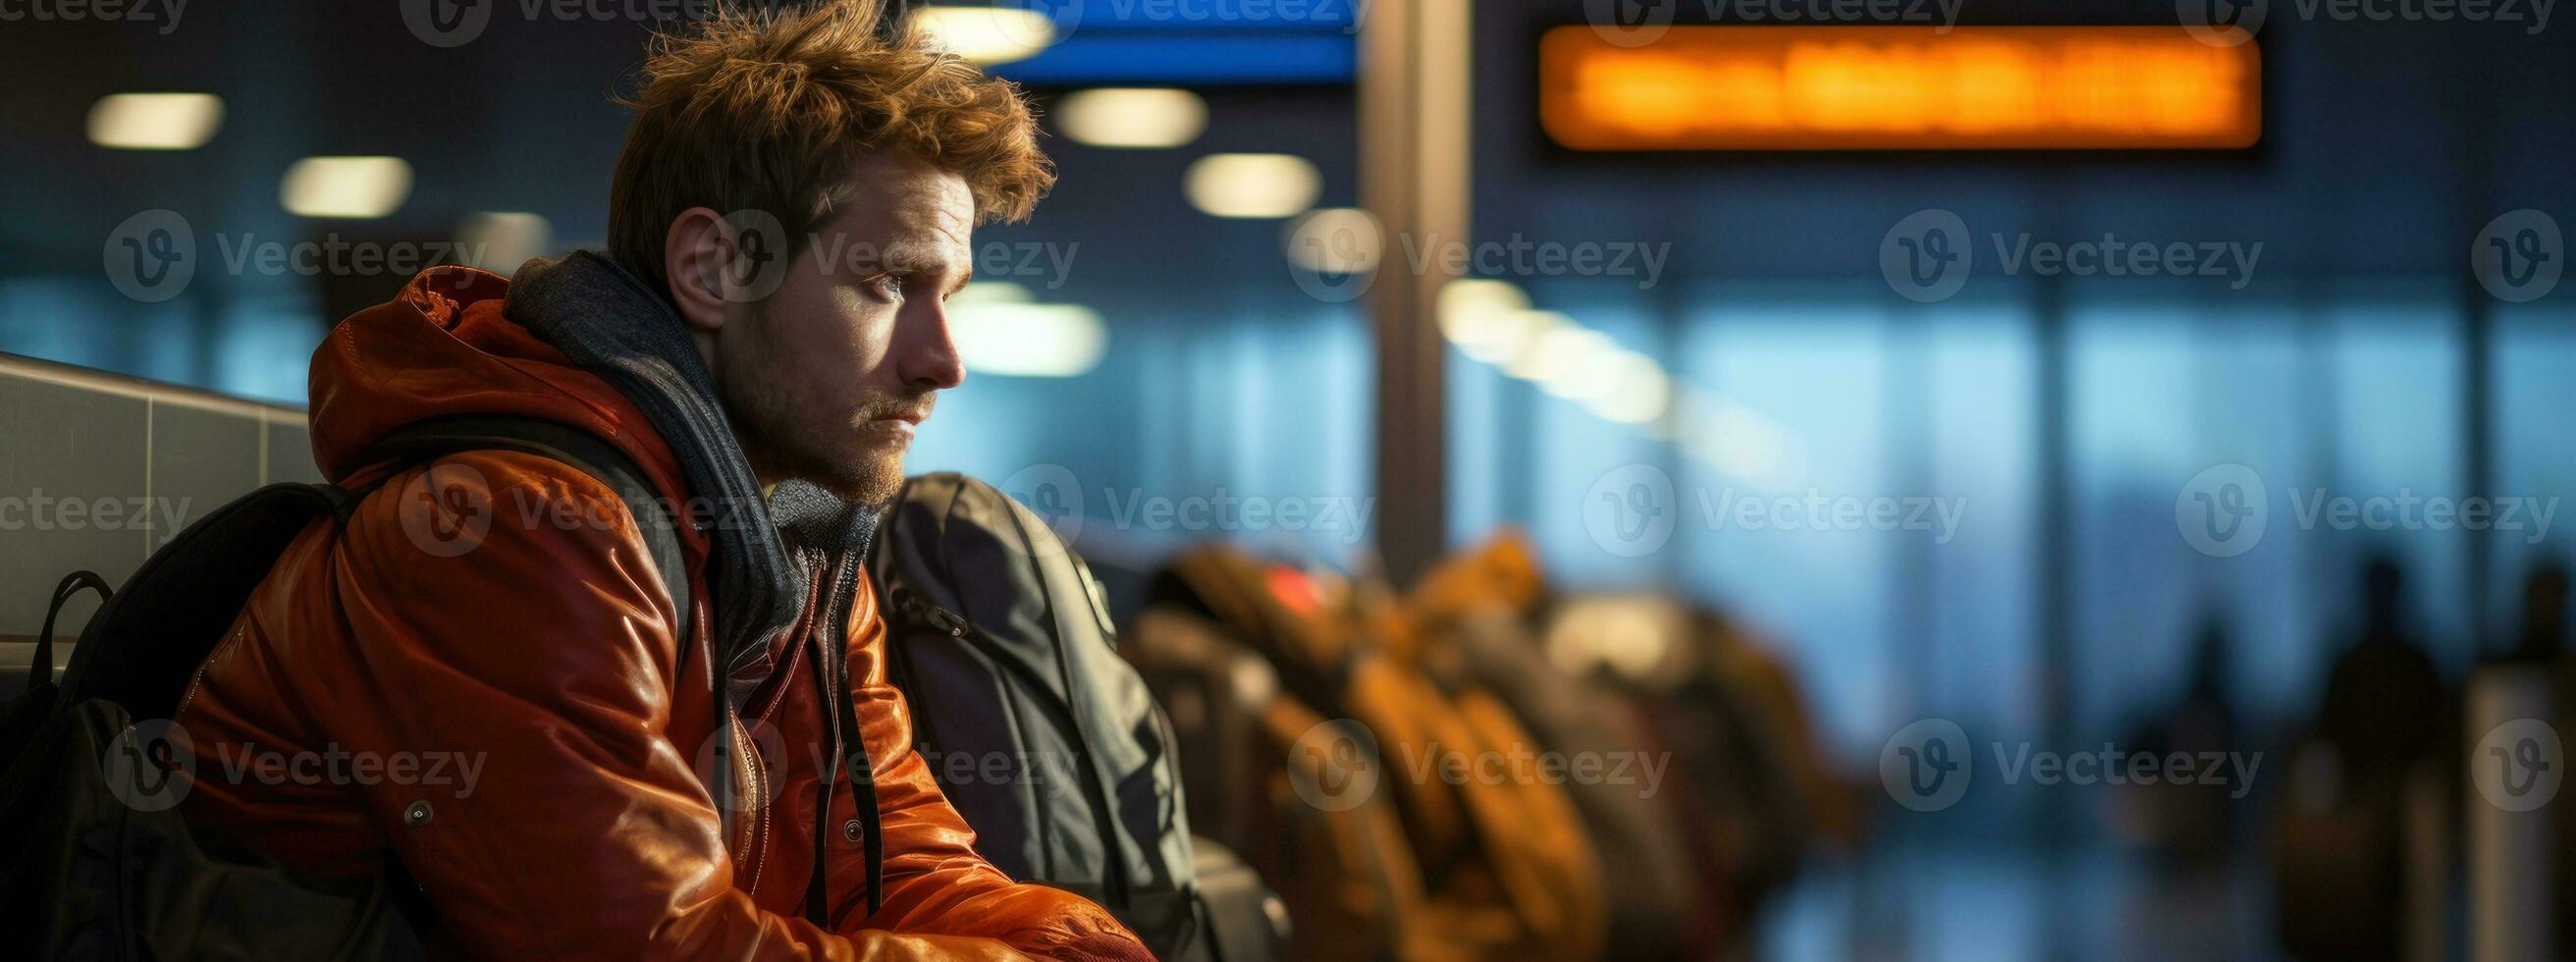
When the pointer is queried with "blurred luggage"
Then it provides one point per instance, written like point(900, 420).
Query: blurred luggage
point(1045, 740)
point(1306, 816)
point(1505, 859)
point(1470, 617)
point(1747, 776)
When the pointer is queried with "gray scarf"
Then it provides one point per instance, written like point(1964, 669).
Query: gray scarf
point(609, 323)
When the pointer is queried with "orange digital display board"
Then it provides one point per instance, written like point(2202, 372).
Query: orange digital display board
point(1902, 88)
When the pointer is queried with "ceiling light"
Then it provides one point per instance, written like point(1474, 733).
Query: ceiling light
point(1558, 360)
point(1640, 394)
point(1527, 336)
point(987, 35)
point(354, 187)
point(1253, 185)
point(155, 121)
point(1133, 118)
point(1473, 315)
point(1001, 329)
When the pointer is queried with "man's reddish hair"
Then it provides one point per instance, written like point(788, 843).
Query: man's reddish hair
point(770, 111)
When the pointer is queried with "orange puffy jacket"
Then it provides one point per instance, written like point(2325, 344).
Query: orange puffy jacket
point(517, 723)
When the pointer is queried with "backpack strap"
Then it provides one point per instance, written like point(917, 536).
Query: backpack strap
point(573, 447)
point(40, 670)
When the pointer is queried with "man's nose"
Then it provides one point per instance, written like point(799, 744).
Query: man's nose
point(930, 360)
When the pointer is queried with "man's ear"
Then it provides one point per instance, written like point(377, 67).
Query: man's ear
point(694, 258)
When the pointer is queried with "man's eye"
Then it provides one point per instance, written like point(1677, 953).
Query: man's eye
point(890, 285)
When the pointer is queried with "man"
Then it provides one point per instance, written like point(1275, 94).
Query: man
point(485, 646)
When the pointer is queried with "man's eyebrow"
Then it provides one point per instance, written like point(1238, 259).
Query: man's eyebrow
point(936, 263)
point(912, 259)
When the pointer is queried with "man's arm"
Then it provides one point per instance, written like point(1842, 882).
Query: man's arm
point(934, 880)
point(542, 655)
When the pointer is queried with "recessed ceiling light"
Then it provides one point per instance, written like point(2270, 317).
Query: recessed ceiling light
point(987, 35)
point(1001, 329)
point(155, 121)
point(354, 187)
point(1132, 117)
point(1253, 185)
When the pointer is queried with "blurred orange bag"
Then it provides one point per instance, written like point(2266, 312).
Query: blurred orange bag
point(1507, 866)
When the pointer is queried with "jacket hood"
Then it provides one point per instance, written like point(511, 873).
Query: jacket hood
point(442, 346)
point(582, 342)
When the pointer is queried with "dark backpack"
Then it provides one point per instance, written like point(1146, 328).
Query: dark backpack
point(1044, 739)
point(96, 866)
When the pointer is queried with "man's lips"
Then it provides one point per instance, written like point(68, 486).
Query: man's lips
point(898, 426)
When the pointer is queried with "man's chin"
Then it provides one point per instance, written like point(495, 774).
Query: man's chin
point(872, 480)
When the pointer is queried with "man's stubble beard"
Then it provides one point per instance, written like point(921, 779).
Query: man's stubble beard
point(782, 446)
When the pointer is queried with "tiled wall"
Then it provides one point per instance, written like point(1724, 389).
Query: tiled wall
point(113, 443)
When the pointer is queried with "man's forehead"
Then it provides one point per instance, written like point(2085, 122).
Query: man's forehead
point(897, 203)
